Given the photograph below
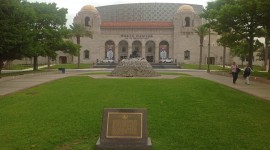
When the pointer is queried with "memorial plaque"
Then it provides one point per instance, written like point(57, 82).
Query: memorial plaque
point(124, 128)
point(124, 125)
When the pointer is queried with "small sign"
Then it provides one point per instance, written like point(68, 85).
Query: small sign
point(125, 128)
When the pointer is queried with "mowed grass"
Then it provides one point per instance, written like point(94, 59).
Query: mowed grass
point(183, 113)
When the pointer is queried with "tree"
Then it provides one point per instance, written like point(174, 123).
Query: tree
point(59, 43)
point(46, 30)
point(235, 17)
point(238, 48)
point(202, 31)
point(264, 15)
point(225, 41)
point(14, 30)
point(78, 31)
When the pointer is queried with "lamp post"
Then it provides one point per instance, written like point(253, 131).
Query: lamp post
point(208, 57)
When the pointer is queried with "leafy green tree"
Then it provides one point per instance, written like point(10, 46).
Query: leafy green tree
point(201, 31)
point(58, 43)
point(46, 30)
point(264, 15)
point(69, 47)
point(78, 31)
point(238, 18)
point(14, 30)
point(225, 41)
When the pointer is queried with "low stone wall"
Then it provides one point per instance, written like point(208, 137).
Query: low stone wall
point(134, 67)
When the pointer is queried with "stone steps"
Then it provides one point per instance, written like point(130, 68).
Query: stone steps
point(155, 66)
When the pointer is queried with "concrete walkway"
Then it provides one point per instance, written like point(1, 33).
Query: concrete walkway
point(13, 84)
point(16, 83)
point(258, 89)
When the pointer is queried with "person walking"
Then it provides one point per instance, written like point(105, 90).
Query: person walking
point(247, 72)
point(234, 71)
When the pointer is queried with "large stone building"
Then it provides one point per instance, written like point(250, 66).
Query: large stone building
point(152, 31)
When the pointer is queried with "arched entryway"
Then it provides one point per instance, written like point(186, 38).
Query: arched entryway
point(150, 51)
point(62, 59)
point(136, 49)
point(109, 50)
point(163, 50)
point(123, 50)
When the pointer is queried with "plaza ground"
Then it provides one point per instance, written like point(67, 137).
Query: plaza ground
point(13, 84)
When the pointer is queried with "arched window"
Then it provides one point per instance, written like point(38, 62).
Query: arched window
point(87, 21)
point(110, 50)
point(163, 50)
point(187, 55)
point(86, 54)
point(187, 22)
point(123, 49)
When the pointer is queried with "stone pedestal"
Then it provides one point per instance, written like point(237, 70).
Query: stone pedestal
point(148, 146)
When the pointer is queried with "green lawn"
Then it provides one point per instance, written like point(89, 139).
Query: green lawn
point(71, 66)
point(183, 113)
point(204, 67)
point(19, 66)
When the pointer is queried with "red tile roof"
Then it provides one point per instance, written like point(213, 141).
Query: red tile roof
point(137, 24)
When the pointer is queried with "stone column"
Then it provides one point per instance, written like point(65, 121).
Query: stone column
point(157, 54)
point(143, 51)
point(129, 50)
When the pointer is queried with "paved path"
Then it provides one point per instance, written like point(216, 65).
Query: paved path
point(255, 88)
point(13, 84)
point(16, 83)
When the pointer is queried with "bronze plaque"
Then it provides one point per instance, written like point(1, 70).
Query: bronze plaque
point(124, 128)
point(124, 125)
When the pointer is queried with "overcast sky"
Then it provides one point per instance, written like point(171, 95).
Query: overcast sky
point(74, 6)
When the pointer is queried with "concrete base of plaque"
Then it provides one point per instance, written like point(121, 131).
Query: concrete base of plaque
point(148, 146)
point(124, 129)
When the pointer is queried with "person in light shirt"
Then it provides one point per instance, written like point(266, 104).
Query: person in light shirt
point(234, 72)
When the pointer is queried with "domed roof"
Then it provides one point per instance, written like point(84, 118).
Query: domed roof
point(185, 8)
point(89, 8)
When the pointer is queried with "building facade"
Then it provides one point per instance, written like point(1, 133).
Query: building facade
point(153, 31)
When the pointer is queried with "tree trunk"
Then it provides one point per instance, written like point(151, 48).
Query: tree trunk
point(269, 67)
point(1, 65)
point(224, 57)
point(8, 64)
point(35, 64)
point(79, 60)
point(72, 59)
point(250, 52)
point(79, 54)
point(200, 62)
point(268, 64)
point(49, 62)
point(266, 52)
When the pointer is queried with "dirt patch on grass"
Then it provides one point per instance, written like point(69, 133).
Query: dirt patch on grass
point(114, 77)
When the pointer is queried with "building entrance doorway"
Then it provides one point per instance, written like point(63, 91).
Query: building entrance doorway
point(123, 50)
point(211, 60)
point(136, 49)
point(109, 50)
point(150, 51)
point(62, 60)
point(163, 50)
